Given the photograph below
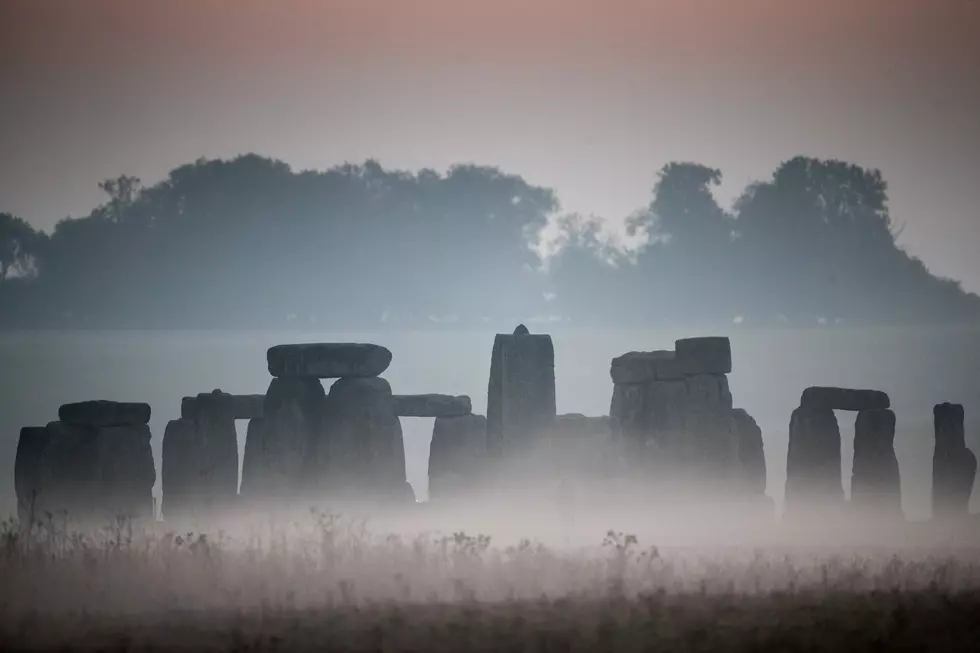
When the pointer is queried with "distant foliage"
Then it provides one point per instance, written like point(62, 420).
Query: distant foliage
point(251, 243)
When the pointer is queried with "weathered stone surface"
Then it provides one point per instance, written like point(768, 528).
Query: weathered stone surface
point(27, 472)
point(708, 392)
point(638, 366)
point(710, 355)
point(666, 404)
point(521, 330)
point(876, 487)
point(829, 398)
point(813, 461)
point(97, 473)
point(188, 408)
point(293, 415)
point(179, 468)
point(328, 360)
point(521, 393)
point(69, 472)
point(751, 452)
point(457, 454)
point(432, 405)
point(629, 414)
point(127, 472)
point(954, 466)
point(360, 447)
point(104, 413)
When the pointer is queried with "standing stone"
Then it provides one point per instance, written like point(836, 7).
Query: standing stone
point(628, 413)
point(27, 473)
point(954, 466)
point(521, 392)
point(94, 474)
point(876, 487)
point(638, 366)
point(328, 360)
point(813, 461)
point(581, 446)
point(125, 464)
point(179, 458)
point(216, 451)
point(291, 427)
point(69, 473)
point(360, 447)
point(751, 453)
point(457, 455)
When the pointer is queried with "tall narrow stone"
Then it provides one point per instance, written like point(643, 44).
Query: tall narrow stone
point(954, 466)
point(360, 448)
point(751, 453)
point(521, 392)
point(813, 461)
point(457, 455)
point(876, 487)
point(27, 473)
point(216, 447)
point(178, 474)
point(291, 426)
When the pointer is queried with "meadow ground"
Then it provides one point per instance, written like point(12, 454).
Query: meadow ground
point(319, 581)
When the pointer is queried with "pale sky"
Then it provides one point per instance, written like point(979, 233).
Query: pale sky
point(589, 98)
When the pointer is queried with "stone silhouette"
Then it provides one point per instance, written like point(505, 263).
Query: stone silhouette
point(751, 453)
point(671, 414)
point(829, 398)
point(104, 413)
point(95, 464)
point(457, 455)
point(876, 487)
point(328, 360)
point(360, 451)
point(954, 466)
point(521, 392)
point(432, 405)
point(813, 461)
point(293, 414)
point(27, 472)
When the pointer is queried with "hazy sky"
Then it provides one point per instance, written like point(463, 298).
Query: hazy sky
point(590, 98)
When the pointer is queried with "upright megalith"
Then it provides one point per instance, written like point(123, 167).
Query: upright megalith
point(876, 487)
point(954, 466)
point(200, 453)
point(432, 405)
point(671, 414)
point(579, 446)
point(521, 392)
point(178, 475)
point(457, 455)
point(27, 472)
point(328, 360)
point(95, 464)
point(813, 461)
point(293, 414)
point(360, 451)
point(751, 451)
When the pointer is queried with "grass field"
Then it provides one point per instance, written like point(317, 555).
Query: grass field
point(329, 583)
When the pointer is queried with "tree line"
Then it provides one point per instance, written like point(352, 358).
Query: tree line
point(250, 243)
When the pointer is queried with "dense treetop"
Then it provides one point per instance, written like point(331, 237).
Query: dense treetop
point(249, 243)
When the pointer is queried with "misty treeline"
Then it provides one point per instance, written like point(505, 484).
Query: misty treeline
point(249, 243)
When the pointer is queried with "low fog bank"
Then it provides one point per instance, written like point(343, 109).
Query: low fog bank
point(917, 367)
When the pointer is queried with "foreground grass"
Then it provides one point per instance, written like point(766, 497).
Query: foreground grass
point(331, 584)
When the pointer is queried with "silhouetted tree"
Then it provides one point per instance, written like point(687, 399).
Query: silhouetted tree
point(20, 246)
